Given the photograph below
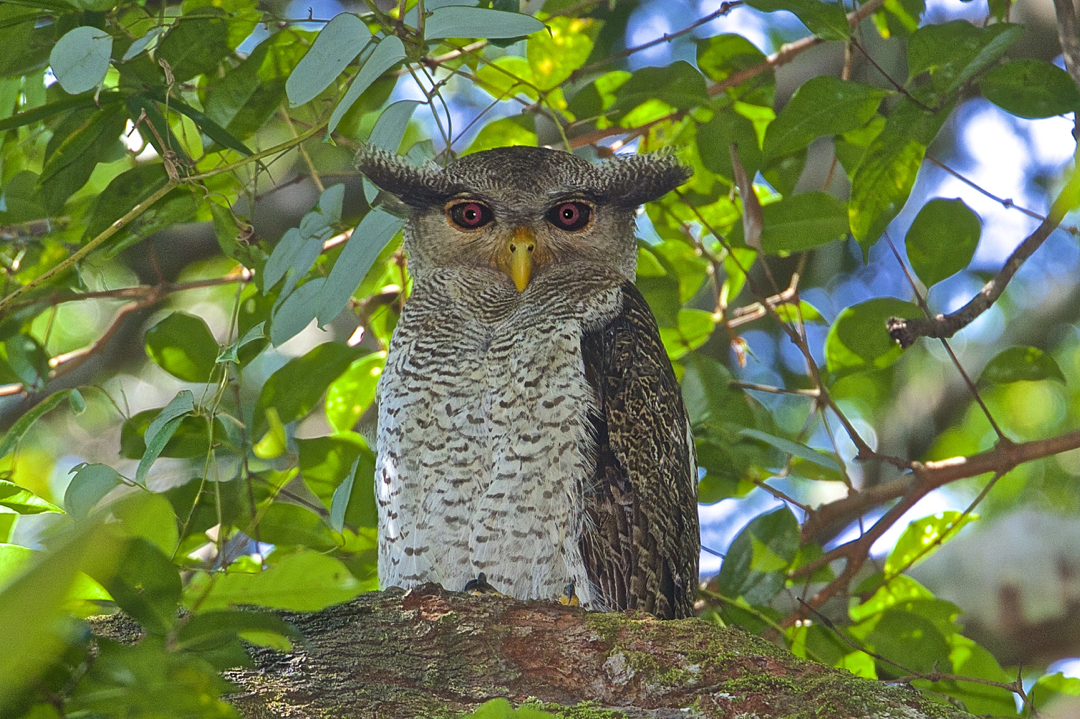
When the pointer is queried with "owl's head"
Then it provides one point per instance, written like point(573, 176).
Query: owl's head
point(522, 209)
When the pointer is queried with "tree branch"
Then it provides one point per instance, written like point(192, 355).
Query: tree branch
point(907, 331)
point(1002, 458)
point(430, 652)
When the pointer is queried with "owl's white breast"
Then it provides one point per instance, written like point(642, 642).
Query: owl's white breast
point(484, 436)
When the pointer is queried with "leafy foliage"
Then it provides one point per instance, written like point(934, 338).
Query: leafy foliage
point(243, 477)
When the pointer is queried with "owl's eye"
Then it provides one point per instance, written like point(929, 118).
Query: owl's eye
point(470, 215)
point(570, 215)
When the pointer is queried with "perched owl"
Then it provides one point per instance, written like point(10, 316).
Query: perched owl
point(531, 428)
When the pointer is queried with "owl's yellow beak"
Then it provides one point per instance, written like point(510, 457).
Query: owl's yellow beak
point(521, 247)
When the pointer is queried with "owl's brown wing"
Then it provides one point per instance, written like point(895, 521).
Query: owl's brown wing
point(641, 542)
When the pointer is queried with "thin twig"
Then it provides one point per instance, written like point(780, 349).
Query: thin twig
point(725, 8)
point(948, 348)
point(907, 331)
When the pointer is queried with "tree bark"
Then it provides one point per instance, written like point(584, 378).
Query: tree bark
point(429, 652)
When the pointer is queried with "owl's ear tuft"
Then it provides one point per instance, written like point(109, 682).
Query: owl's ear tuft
point(634, 179)
point(413, 185)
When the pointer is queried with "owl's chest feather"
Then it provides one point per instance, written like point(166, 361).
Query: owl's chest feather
point(484, 421)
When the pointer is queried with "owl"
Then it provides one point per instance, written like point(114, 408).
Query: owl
point(531, 430)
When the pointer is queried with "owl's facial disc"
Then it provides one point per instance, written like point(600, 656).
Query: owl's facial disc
point(517, 258)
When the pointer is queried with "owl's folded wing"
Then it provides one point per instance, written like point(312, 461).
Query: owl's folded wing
point(641, 542)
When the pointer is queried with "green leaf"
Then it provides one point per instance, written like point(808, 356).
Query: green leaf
point(80, 140)
point(715, 138)
point(720, 56)
point(284, 524)
point(182, 345)
point(825, 19)
point(197, 45)
point(755, 567)
point(802, 222)
point(90, 483)
point(161, 429)
point(349, 396)
point(53, 109)
point(143, 43)
point(908, 639)
point(326, 462)
point(897, 591)
point(824, 105)
point(337, 44)
point(942, 239)
point(80, 59)
point(954, 52)
point(391, 126)
point(389, 52)
point(26, 421)
point(554, 55)
point(13, 560)
point(1019, 364)
point(357, 257)
point(886, 174)
point(694, 329)
point(128, 189)
point(23, 501)
point(679, 85)
point(795, 449)
point(339, 503)
point(206, 630)
point(1050, 685)
point(805, 312)
point(213, 130)
point(296, 312)
point(970, 660)
point(295, 389)
point(858, 340)
point(145, 584)
point(502, 709)
point(457, 21)
point(506, 77)
point(304, 581)
point(922, 538)
point(1031, 88)
point(507, 132)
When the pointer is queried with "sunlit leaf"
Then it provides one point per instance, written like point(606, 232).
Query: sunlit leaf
point(886, 174)
point(305, 581)
point(923, 537)
point(23, 501)
point(1017, 364)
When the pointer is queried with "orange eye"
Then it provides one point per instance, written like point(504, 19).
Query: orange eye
point(570, 216)
point(470, 215)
